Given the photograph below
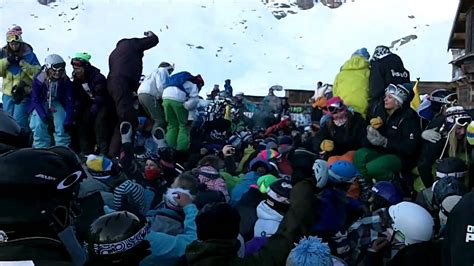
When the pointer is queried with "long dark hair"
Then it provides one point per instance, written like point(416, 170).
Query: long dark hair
point(347, 126)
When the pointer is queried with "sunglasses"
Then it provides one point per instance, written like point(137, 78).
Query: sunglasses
point(58, 66)
point(334, 108)
point(78, 62)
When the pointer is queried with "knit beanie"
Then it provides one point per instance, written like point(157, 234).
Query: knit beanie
point(99, 167)
point(451, 167)
point(456, 115)
point(217, 221)
point(264, 182)
point(83, 56)
point(362, 52)
point(14, 34)
point(470, 133)
point(280, 191)
point(399, 92)
point(310, 251)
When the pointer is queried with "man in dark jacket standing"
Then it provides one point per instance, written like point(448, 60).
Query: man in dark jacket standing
point(125, 69)
point(385, 68)
point(93, 106)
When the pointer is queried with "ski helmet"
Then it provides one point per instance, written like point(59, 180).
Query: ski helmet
point(388, 191)
point(342, 172)
point(320, 168)
point(54, 61)
point(116, 233)
point(443, 96)
point(412, 221)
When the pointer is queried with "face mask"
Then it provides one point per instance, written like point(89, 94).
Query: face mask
point(152, 174)
point(340, 122)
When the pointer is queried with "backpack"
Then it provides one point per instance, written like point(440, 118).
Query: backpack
point(177, 80)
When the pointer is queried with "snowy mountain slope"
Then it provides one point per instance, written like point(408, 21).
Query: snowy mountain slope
point(240, 39)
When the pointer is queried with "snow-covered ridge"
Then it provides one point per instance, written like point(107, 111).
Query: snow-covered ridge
point(241, 39)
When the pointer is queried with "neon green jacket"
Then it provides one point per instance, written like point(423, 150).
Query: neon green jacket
point(352, 84)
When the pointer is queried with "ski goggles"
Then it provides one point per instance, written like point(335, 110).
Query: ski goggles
point(335, 108)
point(58, 66)
point(397, 90)
point(449, 99)
point(13, 38)
point(78, 62)
point(462, 121)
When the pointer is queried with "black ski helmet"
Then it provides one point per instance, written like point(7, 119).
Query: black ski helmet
point(117, 236)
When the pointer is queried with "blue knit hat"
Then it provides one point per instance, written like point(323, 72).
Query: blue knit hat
point(362, 52)
point(310, 251)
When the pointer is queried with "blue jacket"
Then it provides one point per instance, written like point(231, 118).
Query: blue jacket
point(39, 96)
point(167, 249)
point(242, 187)
point(333, 208)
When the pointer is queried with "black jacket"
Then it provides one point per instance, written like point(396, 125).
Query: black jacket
point(349, 137)
point(458, 245)
point(247, 208)
point(403, 133)
point(126, 59)
point(419, 254)
point(98, 95)
point(384, 71)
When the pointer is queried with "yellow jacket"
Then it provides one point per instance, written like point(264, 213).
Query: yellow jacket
point(25, 71)
point(352, 84)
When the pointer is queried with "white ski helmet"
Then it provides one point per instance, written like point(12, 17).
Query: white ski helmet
point(54, 61)
point(320, 168)
point(413, 221)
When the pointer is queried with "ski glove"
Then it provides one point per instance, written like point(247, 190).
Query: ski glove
point(376, 122)
point(375, 138)
point(327, 145)
point(431, 135)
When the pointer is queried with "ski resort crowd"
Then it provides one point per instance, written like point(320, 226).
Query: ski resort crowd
point(134, 169)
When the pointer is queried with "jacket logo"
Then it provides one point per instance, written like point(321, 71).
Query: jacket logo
point(470, 233)
point(45, 177)
point(399, 74)
point(412, 136)
point(394, 127)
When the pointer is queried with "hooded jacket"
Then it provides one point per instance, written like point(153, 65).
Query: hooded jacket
point(24, 71)
point(268, 220)
point(385, 68)
point(174, 93)
point(154, 84)
point(352, 83)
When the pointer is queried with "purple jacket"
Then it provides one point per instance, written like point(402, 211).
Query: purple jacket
point(39, 96)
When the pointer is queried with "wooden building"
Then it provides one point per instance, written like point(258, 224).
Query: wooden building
point(461, 43)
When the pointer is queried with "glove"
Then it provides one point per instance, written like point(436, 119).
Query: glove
point(13, 59)
point(327, 145)
point(376, 122)
point(431, 135)
point(375, 138)
point(249, 150)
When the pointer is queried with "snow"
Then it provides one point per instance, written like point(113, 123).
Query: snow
point(257, 49)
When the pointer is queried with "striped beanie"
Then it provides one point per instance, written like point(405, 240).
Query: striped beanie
point(129, 196)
